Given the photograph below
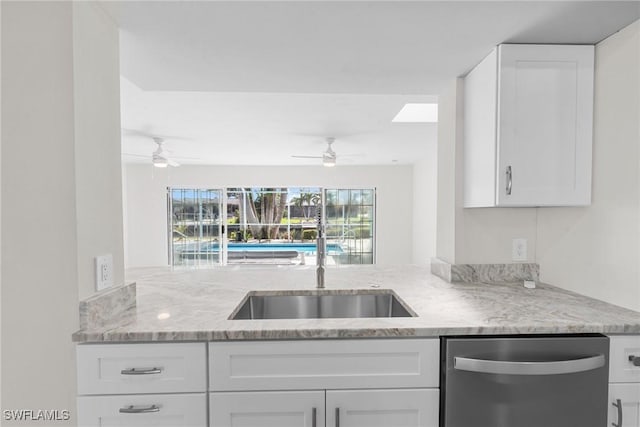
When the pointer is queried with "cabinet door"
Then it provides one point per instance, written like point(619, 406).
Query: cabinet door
point(267, 409)
point(624, 405)
point(383, 408)
point(169, 410)
point(545, 110)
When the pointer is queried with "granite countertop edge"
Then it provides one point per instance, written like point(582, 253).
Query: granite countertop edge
point(267, 334)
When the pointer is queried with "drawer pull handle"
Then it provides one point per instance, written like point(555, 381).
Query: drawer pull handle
point(139, 409)
point(509, 180)
point(337, 417)
point(618, 404)
point(314, 417)
point(141, 371)
point(635, 360)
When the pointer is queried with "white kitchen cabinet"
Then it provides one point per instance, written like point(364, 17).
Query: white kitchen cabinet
point(625, 350)
point(371, 382)
point(528, 118)
point(142, 385)
point(378, 382)
point(624, 381)
point(134, 410)
point(323, 364)
point(142, 368)
point(344, 408)
point(624, 405)
point(267, 409)
point(383, 408)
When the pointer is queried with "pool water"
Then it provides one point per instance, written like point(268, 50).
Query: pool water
point(307, 248)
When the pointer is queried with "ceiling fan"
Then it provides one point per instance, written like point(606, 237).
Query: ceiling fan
point(160, 158)
point(328, 157)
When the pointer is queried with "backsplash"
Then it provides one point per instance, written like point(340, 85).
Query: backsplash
point(102, 308)
point(491, 273)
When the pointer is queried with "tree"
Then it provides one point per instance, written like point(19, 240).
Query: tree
point(307, 200)
point(262, 209)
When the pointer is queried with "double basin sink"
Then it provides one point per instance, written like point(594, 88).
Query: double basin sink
point(321, 305)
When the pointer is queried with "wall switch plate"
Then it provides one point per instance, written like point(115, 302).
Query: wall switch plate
point(519, 249)
point(104, 272)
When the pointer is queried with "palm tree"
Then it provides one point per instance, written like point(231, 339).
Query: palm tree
point(307, 200)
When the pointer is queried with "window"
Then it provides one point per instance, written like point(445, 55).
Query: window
point(195, 226)
point(256, 225)
point(350, 224)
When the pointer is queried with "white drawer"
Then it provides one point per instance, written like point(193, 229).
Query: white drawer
point(323, 364)
point(170, 410)
point(622, 348)
point(141, 368)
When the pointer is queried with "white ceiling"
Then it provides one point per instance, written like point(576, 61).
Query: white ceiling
point(255, 82)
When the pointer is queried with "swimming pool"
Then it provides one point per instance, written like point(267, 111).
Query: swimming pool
point(306, 248)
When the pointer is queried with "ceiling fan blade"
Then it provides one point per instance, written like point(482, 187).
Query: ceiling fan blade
point(146, 156)
point(143, 134)
point(307, 157)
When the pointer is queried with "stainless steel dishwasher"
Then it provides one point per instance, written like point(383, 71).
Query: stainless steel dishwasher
point(524, 381)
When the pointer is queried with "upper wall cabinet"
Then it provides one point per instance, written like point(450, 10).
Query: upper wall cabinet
point(528, 114)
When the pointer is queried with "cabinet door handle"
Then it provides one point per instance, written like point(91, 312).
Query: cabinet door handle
point(618, 404)
point(139, 409)
point(314, 417)
point(141, 371)
point(337, 417)
point(509, 180)
point(635, 360)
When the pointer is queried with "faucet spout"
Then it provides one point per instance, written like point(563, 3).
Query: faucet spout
point(320, 252)
point(320, 277)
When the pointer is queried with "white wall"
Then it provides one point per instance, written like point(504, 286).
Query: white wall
point(595, 250)
point(448, 145)
point(0, 214)
point(425, 195)
point(146, 201)
point(39, 258)
point(97, 143)
point(61, 202)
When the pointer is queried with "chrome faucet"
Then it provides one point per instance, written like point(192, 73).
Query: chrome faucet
point(320, 251)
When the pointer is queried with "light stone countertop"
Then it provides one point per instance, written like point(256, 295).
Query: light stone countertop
point(194, 305)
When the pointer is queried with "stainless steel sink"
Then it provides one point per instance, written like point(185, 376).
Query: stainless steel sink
point(321, 305)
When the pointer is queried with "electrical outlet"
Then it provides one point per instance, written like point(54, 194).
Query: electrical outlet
point(519, 249)
point(104, 272)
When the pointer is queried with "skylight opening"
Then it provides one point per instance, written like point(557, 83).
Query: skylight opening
point(417, 113)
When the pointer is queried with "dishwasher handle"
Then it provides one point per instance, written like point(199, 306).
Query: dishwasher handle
point(556, 367)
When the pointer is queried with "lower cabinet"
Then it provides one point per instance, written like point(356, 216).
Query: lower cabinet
point(624, 405)
point(267, 409)
point(343, 408)
point(624, 381)
point(382, 408)
point(170, 410)
point(303, 383)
